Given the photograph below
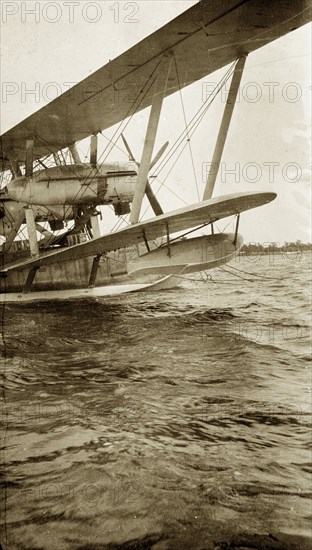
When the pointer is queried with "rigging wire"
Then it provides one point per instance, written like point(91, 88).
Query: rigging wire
point(193, 124)
point(180, 139)
point(120, 128)
point(186, 126)
point(254, 274)
point(137, 101)
point(197, 118)
point(187, 132)
point(236, 275)
point(246, 273)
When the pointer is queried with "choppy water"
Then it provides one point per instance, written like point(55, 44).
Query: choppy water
point(168, 421)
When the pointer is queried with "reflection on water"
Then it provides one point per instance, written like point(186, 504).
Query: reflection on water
point(172, 420)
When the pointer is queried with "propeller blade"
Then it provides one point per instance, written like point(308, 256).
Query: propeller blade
point(159, 154)
point(155, 159)
point(148, 190)
point(127, 146)
point(157, 209)
point(153, 200)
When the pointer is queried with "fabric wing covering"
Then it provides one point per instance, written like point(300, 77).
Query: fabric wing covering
point(202, 39)
point(176, 221)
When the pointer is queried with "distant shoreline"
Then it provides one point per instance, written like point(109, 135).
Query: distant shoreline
point(258, 249)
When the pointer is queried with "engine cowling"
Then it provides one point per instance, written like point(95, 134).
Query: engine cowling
point(75, 184)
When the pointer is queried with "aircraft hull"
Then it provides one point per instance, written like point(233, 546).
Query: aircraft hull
point(87, 293)
point(127, 270)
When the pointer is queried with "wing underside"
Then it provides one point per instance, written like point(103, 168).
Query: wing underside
point(203, 39)
point(179, 220)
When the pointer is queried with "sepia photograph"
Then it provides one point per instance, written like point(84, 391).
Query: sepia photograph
point(155, 275)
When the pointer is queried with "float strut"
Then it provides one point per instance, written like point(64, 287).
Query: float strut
point(146, 241)
point(94, 270)
point(168, 240)
point(236, 230)
point(30, 278)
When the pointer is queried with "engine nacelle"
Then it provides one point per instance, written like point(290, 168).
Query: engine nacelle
point(75, 184)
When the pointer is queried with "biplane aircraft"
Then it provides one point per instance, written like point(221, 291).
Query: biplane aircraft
point(55, 196)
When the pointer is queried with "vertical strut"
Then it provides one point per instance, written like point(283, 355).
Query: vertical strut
point(14, 164)
point(236, 230)
point(94, 270)
point(146, 241)
point(95, 226)
point(32, 232)
point(74, 153)
point(168, 240)
point(29, 157)
point(224, 128)
point(160, 88)
point(93, 150)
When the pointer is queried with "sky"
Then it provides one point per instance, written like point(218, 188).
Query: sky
point(269, 141)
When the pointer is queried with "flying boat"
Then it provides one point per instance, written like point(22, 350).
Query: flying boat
point(52, 243)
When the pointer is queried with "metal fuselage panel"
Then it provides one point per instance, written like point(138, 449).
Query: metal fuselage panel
point(74, 185)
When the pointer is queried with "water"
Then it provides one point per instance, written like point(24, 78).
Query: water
point(172, 420)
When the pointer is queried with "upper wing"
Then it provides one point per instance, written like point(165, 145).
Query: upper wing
point(204, 38)
point(178, 220)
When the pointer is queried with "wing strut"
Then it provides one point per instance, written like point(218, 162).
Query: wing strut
point(15, 169)
point(74, 153)
point(160, 89)
point(224, 128)
point(32, 232)
point(95, 226)
point(93, 150)
point(29, 157)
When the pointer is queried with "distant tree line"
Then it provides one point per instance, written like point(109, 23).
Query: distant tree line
point(250, 249)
